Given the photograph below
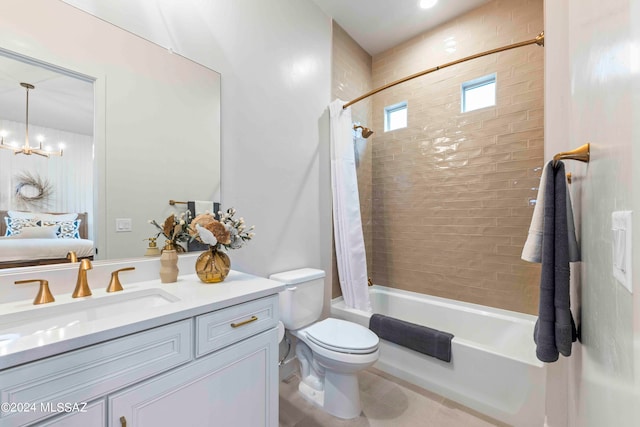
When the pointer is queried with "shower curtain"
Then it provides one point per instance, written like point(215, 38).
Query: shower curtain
point(347, 223)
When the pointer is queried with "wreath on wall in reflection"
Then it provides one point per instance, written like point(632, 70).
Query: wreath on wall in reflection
point(32, 189)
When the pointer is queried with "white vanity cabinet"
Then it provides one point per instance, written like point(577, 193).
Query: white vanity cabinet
point(93, 415)
point(231, 388)
point(230, 385)
point(216, 368)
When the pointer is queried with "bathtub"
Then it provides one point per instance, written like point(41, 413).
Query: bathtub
point(493, 368)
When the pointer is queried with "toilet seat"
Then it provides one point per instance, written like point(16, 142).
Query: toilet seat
point(342, 336)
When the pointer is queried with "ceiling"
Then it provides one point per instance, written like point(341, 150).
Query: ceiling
point(378, 25)
point(58, 100)
point(66, 103)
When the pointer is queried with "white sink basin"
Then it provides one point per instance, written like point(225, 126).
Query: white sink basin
point(53, 319)
point(8, 337)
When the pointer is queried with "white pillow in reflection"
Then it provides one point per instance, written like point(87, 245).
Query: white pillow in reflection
point(38, 233)
point(42, 216)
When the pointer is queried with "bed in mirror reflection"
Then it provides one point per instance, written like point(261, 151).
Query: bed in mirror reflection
point(30, 238)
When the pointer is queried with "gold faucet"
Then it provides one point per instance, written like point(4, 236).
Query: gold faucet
point(82, 285)
point(72, 257)
point(44, 294)
point(114, 284)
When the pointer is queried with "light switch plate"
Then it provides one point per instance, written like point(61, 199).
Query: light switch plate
point(123, 224)
point(621, 242)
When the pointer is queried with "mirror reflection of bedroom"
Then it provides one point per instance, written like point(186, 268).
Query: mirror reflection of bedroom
point(46, 164)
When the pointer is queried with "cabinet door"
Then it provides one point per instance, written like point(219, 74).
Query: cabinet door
point(94, 415)
point(90, 373)
point(233, 387)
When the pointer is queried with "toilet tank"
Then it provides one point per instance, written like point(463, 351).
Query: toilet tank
point(301, 302)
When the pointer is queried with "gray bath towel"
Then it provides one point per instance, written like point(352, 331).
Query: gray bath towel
point(416, 337)
point(555, 330)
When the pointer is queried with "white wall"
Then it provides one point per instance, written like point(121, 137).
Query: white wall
point(592, 75)
point(274, 58)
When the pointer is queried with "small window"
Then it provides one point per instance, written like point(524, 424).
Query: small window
point(479, 93)
point(395, 116)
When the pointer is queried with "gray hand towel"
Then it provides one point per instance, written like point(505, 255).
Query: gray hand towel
point(416, 337)
point(555, 330)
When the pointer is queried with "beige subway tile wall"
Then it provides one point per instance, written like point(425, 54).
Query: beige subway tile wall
point(352, 77)
point(451, 194)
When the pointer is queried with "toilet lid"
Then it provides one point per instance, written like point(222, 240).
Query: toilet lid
point(342, 336)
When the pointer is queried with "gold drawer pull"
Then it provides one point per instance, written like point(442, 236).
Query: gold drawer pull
point(123, 421)
point(244, 322)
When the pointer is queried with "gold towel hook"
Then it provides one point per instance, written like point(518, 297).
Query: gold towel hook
point(581, 154)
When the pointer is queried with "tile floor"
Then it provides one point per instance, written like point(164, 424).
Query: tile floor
point(386, 402)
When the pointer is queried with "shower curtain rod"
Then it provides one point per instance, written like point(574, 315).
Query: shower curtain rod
point(539, 40)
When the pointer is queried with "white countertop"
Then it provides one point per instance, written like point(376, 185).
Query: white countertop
point(193, 298)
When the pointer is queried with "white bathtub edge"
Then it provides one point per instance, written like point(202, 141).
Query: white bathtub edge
point(410, 366)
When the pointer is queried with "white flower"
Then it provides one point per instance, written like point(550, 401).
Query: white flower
point(182, 222)
point(206, 236)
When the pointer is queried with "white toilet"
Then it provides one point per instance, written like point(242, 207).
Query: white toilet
point(330, 352)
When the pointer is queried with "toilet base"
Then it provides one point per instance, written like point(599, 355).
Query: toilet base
point(340, 398)
point(312, 395)
point(342, 395)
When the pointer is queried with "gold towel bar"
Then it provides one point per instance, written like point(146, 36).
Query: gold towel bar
point(581, 154)
point(174, 202)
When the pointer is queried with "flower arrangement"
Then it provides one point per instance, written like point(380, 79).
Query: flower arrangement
point(175, 229)
point(226, 232)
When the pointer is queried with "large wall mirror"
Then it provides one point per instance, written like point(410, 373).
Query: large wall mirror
point(140, 126)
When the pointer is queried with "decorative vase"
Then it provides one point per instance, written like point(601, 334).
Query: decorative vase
point(213, 265)
point(169, 266)
point(172, 246)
